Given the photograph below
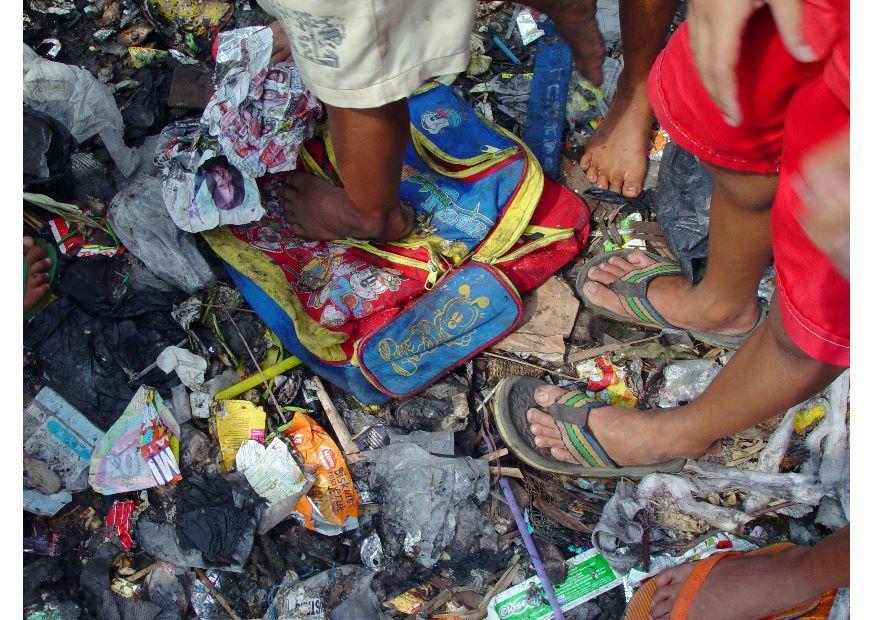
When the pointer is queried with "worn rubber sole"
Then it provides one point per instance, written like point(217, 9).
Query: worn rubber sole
point(716, 340)
point(513, 398)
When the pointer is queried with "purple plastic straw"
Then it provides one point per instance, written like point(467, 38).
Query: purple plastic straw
point(530, 547)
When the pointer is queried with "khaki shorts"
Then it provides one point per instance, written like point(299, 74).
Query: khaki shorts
point(367, 53)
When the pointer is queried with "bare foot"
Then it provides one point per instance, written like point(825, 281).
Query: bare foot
point(627, 435)
point(282, 47)
point(674, 297)
point(737, 587)
point(38, 266)
point(616, 155)
point(315, 209)
point(575, 22)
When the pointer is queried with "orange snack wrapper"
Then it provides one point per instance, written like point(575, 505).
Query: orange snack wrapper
point(332, 504)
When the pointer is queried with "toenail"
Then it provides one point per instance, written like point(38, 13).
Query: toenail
point(590, 287)
point(533, 429)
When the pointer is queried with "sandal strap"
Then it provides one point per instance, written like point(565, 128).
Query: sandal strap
point(694, 583)
point(632, 290)
point(572, 421)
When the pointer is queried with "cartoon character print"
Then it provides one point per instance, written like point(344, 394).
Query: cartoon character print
point(450, 326)
point(441, 203)
point(435, 121)
point(348, 290)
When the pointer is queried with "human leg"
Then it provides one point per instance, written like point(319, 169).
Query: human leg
point(759, 586)
point(616, 155)
point(575, 21)
point(767, 375)
point(739, 249)
point(369, 145)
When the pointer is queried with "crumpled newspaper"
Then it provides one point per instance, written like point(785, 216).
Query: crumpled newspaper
point(255, 124)
point(261, 113)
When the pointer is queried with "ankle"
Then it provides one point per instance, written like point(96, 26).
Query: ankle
point(383, 224)
point(715, 309)
point(687, 440)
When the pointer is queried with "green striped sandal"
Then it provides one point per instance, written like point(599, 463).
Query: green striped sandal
point(516, 395)
point(632, 291)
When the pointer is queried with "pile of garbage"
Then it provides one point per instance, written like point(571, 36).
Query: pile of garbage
point(179, 462)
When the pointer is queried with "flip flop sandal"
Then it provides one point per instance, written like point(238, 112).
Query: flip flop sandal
point(632, 291)
point(52, 255)
point(641, 605)
point(516, 395)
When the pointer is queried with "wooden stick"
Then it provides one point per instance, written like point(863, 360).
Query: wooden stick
point(494, 455)
point(216, 594)
point(555, 373)
point(579, 356)
point(337, 423)
point(142, 573)
point(500, 585)
point(510, 472)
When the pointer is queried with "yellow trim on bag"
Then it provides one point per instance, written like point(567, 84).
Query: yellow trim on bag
point(432, 267)
point(314, 167)
point(428, 150)
point(550, 236)
point(518, 212)
point(329, 150)
point(261, 269)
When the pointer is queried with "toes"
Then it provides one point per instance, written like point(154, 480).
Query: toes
point(42, 266)
point(561, 454)
point(586, 161)
point(602, 274)
point(547, 442)
point(600, 295)
point(592, 174)
point(639, 259)
point(28, 242)
point(678, 574)
point(620, 263)
point(33, 254)
point(616, 183)
point(631, 190)
point(602, 181)
point(542, 425)
point(664, 600)
point(547, 395)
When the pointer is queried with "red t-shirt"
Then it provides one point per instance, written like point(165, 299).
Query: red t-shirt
point(826, 26)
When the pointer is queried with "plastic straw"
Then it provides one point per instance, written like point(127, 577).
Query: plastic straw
point(533, 551)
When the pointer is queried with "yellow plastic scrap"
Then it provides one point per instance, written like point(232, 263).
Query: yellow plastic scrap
point(194, 16)
point(236, 421)
point(805, 418)
point(142, 56)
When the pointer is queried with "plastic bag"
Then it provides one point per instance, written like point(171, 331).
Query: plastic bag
point(682, 205)
point(138, 216)
point(47, 148)
point(426, 500)
point(686, 380)
point(85, 106)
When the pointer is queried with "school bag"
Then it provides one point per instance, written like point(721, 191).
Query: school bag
point(385, 320)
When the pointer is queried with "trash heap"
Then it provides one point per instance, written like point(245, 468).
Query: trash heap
point(179, 462)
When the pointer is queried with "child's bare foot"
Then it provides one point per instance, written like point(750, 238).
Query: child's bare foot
point(616, 156)
point(38, 266)
point(317, 210)
point(282, 47)
point(674, 297)
point(627, 435)
point(575, 22)
point(737, 587)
